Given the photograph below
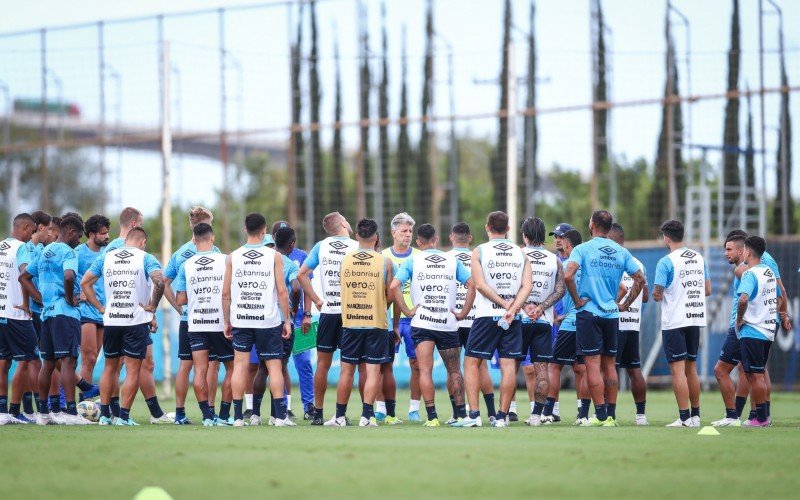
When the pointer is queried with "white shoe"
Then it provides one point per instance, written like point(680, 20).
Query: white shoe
point(681, 423)
point(286, 422)
point(76, 420)
point(581, 422)
point(254, 420)
point(451, 420)
point(163, 419)
point(336, 422)
point(367, 422)
point(59, 418)
point(547, 420)
point(30, 416)
point(727, 422)
point(6, 419)
point(239, 423)
point(271, 421)
point(641, 419)
point(695, 422)
point(500, 423)
point(44, 419)
point(534, 420)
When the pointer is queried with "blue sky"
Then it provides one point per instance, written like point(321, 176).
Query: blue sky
point(258, 41)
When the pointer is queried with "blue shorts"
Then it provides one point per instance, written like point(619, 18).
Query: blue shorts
point(463, 335)
point(364, 345)
point(595, 335)
point(129, 341)
point(184, 347)
point(408, 340)
point(329, 332)
point(486, 336)
point(219, 348)
point(628, 349)
point(731, 352)
point(443, 340)
point(61, 337)
point(537, 342)
point(681, 344)
point(18, 340)
point(755, 354)
point(267, 341)
point(565, 349)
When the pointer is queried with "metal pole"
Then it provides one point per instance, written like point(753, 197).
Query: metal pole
point(784, 139)
point(673, 199)
point(166, 201)
point(175, 74)
point(43, 181)
point(223, 134)
point(12, 167)
point(594, 198)
point(102, 149)
point(453, 144)
point(511, 145)
point(762, 219)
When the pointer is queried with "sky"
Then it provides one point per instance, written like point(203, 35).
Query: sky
point(258, 39)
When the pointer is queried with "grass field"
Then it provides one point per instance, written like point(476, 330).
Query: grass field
point(410, 460)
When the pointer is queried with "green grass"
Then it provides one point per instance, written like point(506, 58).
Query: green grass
point(409, 460)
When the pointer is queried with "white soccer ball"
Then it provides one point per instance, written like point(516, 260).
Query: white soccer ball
point(89, 410)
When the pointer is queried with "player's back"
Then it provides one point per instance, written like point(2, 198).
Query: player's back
point(51, 278)
point(602, 263)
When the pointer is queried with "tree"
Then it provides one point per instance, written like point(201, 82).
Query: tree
point(531, 141)
point(424, 167)
point(337, 185)
point(730, 139)
point(749, 158)
point(295, 160)
point(319, 179)
point(600, 115)
point(658, 209)
point(785, 132)
point(498, 163)
point(403, 142)
point(364, 173)
point(383, 113)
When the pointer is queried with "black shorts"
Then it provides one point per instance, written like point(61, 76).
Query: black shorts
point(37, 325)
point(755, 354)
point(486, 336)
point(184, 347)
point(731, 352)
point(681, 344)
point(391, 348)
point(288, 345)
point(129, 341)
point(18, 340)
point(565, 349)
point(443, 340)
point(219, 348)
point(463, 335)
point(268, 341)
point(329, 332)
point(595, 335)
point(61, 337)
point(364, 345)
point(628, 349)
point(537, 340)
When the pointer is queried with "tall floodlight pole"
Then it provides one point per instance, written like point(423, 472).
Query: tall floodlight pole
point(511, 145)
point(166, 197)
point(672, 210)
point(762, 219)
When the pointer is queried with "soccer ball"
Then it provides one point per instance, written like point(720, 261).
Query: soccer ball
point(89, 410)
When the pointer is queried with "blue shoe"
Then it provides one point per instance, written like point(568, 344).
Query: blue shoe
point(106, 421)
point(128, 422)
point(91, 393)
point(22, 419)
point(182, 420)
point(413, 416)
point(380, 417)
point(219, 421)
point(212, 422)
point(468, 422)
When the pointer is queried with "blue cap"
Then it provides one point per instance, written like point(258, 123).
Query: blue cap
point(561, 229)
point(268, 241)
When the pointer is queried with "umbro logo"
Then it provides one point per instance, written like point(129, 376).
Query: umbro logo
point(252, 254)
point(464, 257)
point(768, 273)
point(362, 256)
point(537, 255)
point(49, 254)
point(338, 245)
point(688, 254)
point(204, 261)
point(435, 258)
point(503, 247)
point(123, 254)
point(4, 246)
point(607, 250)
point(187, 254)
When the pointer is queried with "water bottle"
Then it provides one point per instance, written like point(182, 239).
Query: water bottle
point(503, 324)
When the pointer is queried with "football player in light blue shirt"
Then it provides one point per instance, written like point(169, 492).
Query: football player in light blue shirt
point(96, 228)
point(602, 263)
